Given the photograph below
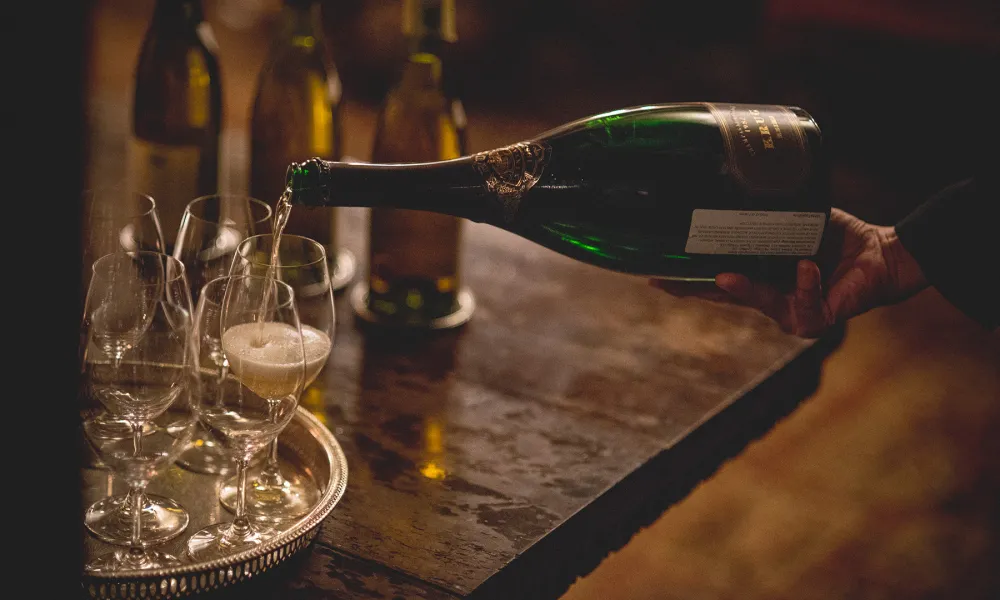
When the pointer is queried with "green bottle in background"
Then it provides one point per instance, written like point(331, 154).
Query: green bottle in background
point(173, 151)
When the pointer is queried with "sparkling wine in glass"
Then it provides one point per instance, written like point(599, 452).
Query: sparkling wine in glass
point(135, 368)
point(211, 229)
point(273, 495)
point(245, 402)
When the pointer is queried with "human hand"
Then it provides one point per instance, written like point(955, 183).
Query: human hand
point(871, 269)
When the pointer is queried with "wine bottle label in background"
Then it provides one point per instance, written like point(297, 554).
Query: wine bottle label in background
point(765, 146)
point(765, 233)
point(167, 173)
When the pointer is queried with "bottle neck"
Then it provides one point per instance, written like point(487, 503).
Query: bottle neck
point(429, 26)
point(451, 187)
point(422, 70)
point(301, 23)
point(178, 13)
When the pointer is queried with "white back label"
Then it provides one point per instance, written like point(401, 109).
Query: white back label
point(764, 232)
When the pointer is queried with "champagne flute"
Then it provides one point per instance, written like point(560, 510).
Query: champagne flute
point(135, 353)
point(274, 495)
point(211, 229)
point(246, 401)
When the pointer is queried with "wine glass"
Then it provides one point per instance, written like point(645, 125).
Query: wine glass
point(117, 219)
point(138, 459)
point(247, 400)
point(135, 355)
point(211, 228)
point(301, 263)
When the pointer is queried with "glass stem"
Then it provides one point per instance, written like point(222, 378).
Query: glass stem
point(136, 554)
point(270, 475)
point(136, 546)
point(241, 527)
point(223, 373)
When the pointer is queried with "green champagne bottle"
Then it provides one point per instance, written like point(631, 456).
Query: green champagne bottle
point(682, 191)
point(173, 152)
point(296, 113)
point(413, 259)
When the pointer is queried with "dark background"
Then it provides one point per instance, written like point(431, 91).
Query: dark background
point(901, 88)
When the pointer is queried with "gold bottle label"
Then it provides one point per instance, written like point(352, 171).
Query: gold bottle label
point(765, 146)
point(510, 172)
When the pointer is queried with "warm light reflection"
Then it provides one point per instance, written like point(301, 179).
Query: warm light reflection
point(431, 470)
point(448, 138)
point(199, 96)
point(426, 58)
point(321, 132)
point(312, 401)
point(433, 446)
point(303, 41)
point(433, 437)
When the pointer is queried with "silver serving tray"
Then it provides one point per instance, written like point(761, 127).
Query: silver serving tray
point(305, 446)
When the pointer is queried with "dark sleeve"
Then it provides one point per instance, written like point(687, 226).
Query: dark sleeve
point(955, 238)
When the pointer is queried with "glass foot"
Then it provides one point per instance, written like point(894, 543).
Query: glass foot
point(223, 539)
point(206, 456)
point(110, 520)
point(132, 560)
point(292, 496)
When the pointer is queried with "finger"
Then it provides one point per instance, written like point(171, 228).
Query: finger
point(846, 297)
point(831, 248)
point(697, 289)
point(808, 309)
point(841, 217)
point(739, 286)
point(761, 296)
point(674, 288)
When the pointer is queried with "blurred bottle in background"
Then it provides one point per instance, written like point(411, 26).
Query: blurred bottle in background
point(413, 257)
point(173, 152)
point(296, 115)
